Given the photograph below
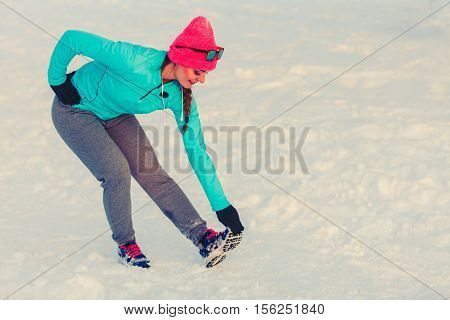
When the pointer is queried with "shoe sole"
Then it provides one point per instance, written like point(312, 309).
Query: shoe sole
point(230, 242)
point(124, 262)
point(216, 260)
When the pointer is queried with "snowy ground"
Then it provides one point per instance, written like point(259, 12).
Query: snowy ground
point(377, 153)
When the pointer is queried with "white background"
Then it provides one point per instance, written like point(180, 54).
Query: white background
point(377, 154)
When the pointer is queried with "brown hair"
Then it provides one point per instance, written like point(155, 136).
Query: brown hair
point(187, 99)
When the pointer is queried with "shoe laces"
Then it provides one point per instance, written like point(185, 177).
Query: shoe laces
point(210, 234)
point(211, 238)
point(132, 250)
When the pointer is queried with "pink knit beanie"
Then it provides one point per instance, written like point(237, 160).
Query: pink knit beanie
point(198, 35)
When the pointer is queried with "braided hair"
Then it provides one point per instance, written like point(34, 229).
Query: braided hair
point(187, 99)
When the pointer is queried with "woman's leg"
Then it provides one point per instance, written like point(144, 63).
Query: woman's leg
point(128, 134)
point(85, 134)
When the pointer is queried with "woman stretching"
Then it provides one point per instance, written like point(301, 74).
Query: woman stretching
point(94, 113)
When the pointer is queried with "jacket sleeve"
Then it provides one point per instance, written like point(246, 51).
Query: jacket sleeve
point(119, 55)
point(200, 160)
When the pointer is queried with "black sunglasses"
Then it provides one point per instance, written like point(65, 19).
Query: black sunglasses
point(210, 54)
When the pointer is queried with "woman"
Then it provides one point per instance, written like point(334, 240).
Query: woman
point(93, 112)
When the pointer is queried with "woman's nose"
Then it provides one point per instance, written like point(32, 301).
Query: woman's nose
point(201, 78)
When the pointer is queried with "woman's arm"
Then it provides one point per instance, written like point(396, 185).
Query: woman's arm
point(119, 56)
point(200, 160)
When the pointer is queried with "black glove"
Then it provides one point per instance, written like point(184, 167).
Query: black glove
point(230, 218)
point(66, 92)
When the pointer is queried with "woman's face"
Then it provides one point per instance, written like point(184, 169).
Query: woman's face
point(187, 77)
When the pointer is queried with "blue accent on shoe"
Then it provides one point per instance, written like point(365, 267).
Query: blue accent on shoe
point(214, 246)
point(211, 241)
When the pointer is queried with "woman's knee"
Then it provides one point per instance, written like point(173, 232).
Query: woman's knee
point(117, 170)
point(155, 174)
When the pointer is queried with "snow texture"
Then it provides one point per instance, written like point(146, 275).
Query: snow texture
point(370, 220)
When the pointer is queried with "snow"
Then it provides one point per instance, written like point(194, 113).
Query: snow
point(377, 154)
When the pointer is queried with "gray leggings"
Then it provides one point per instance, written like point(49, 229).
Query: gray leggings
point(115, 149)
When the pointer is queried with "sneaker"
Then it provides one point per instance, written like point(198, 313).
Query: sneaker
point(130, 254)
point(215, 245)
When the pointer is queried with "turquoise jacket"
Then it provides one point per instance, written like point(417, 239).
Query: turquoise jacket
point(125, 78)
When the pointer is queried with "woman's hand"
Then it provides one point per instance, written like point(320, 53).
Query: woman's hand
point(230, 218)
point(66, 92)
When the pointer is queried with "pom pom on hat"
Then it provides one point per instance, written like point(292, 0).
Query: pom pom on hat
point(198, 35)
